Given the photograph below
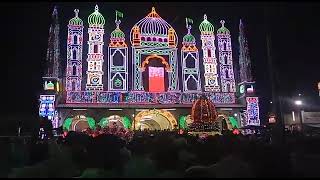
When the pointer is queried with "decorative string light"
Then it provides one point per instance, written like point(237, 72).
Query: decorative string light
point(190, 61)
point(209, 56)
point(95, 51)
point(225, 59)
point(47, 106)
point(252, 111)
point(118, 58)
point(74, 53)
point(149, 37)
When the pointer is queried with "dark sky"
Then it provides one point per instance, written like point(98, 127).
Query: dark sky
point(294, 29)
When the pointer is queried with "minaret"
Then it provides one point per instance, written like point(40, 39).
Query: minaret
point(247, 85)
point(53, 51)
point(190, 62)
point(48, 96)
point(95, 51)
point(74, 53)
point(209, 56)
point(244, 57)
point(118, 56)
point(225, 59)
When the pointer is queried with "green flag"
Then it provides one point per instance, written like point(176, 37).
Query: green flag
point(119, 14)
point(189, 21)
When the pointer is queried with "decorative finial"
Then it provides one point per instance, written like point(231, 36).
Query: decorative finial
point(189, 29)
point(96, 8)
point(153, 10)
point(117, 23)
point(222, 23)
point(76, 12)
point(205, 17)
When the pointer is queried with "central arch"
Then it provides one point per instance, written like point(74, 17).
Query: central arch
point(156, 119)
point(163, 61)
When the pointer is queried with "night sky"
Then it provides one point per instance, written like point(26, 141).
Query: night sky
point(294, 29)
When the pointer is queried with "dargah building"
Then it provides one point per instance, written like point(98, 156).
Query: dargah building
point(149, 78)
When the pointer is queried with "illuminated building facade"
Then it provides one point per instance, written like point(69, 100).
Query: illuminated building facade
point(152, 84)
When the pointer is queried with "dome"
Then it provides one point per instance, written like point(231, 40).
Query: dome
point(206, 26)
point(189, 38)
point(155, 28)
point(117, 33)
point(203, 111)
point(223, 30)
point(96, 18)
point(76, 21)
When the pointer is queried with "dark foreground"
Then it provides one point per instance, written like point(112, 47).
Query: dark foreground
point(159, 154)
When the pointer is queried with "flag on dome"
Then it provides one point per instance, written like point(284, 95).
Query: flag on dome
point(119, 14)
point(189, 20)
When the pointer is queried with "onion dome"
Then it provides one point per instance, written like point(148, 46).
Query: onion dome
point(153, 31)
point(203, 111)
point(189, 38)
point(189, 41)
point(223, 30)
point(96, 19)
point(117, 33)
point(117, 38)
point(76, 21)
point(206, 27)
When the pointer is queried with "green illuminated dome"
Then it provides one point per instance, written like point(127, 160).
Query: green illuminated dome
point(117, 33)
point(223, 30)
point(76, 21)
point(189, 38)
point(206, 26)
point(96, 18)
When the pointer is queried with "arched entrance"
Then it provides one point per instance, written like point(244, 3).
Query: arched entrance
point(115, 121)
point(224, 122)
point(157, 119)
point(155, 73)
point(78, 123)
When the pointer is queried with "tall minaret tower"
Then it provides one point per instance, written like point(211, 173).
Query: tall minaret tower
point(225, 59)
point(190, 62)
point(53, 51)
point(247, 93)
point(244, 57)
point(209, 56)
point(95, 51)
point(51, 87)
point(74, 54)
point(118, 56)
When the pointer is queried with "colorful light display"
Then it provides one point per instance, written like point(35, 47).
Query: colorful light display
point(244, 57)
point(47, 106)
point(118, 58)
point(225, 59)
point(74, 53)
point(134, 97)
point(252, 111)
point(203, 111)
point(154, 76)
point(190, 61)
point(149, 37)
point(95, 51)
point(52, 73)
point(209, 56)
point(53, 51)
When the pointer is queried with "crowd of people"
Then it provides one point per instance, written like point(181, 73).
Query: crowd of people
point(157, 154)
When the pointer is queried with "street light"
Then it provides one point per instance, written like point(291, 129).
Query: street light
point(298, 102)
